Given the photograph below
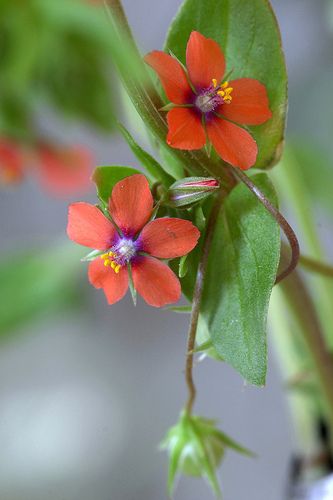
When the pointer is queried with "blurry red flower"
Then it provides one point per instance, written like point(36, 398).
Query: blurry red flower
point(206, 105)
point(11, 162)
point(132, 238)
point(64, 170)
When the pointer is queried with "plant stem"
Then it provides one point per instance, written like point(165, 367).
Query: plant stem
point(197, 295)
point(289, 179)
point(316, 266)
point(301, 301)
point(285, 226)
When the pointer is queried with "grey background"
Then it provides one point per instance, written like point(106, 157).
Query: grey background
point(86, 397)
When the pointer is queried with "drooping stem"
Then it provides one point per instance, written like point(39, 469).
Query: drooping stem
point(300, 300)
point(316, 266)
point(197, 295)
point(283, 223)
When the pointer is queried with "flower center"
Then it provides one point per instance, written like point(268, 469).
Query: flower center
point(119, 254)
point(214, 96)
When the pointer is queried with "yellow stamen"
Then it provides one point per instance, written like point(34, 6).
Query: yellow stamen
point(109, 261)
point(224, 91)
point(214, 83)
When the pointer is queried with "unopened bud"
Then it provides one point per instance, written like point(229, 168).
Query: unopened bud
point(188, 191)
point(196, 448)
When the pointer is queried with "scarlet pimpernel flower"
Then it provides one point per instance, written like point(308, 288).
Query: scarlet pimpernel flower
point(11, 162)
point(130, 242)
point(63, 169)
point(207, 106)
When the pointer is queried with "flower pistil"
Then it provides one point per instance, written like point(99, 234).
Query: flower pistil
point(214, 96)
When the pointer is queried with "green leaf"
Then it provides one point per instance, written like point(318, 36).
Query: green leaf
point(33, 284)
point(249, 36)
point(152, 166)
point(171, 164)
point(241, 272)
point(107, 176)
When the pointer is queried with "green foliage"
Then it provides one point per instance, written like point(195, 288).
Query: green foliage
point(33, 284)
point(249, 35)
point(196, 448)
point(152, 166)
point(107, 176)
point(171, 163)
point(241, 272)
point(54, 52)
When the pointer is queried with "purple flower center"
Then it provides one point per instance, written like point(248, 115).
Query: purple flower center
point(212, 97)
point(120, 253)
point(208, 101)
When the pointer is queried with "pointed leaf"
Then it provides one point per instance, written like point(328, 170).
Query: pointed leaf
point(241, 272)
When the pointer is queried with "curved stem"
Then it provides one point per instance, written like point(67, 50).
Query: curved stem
point(283, 223)
point(316, 266)
point(197, 295)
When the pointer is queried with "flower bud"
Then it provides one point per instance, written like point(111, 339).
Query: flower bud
point(196, 448)
point(190, 190)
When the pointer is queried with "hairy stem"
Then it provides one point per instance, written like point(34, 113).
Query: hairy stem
point(284, 225)
point(197, 295)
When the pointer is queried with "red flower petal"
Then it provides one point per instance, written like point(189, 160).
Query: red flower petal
point(234, 144)
point(89, 227)
point(115, 285)
point(131, 204)
point(172, 76)
point(155, 282)
point(168, 238)
point(204, 60)
point(64, 171)
point(249, 104)
point(185, 129)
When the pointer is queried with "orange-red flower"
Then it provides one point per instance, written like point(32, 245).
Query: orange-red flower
point(11, 162)
point(207, 105)
point(131, 237)
point(64, 170)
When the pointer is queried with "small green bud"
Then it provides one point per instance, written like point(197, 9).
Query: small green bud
point(186, 192)
point(196, 448)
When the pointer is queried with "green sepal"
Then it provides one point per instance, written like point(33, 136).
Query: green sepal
point(92, 255)
point(183, 266)
point(188, 191)
point(196, 448)
point(180, 309)
point(131, 284)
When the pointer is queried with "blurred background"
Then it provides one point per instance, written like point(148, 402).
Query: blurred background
point(87, 391)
